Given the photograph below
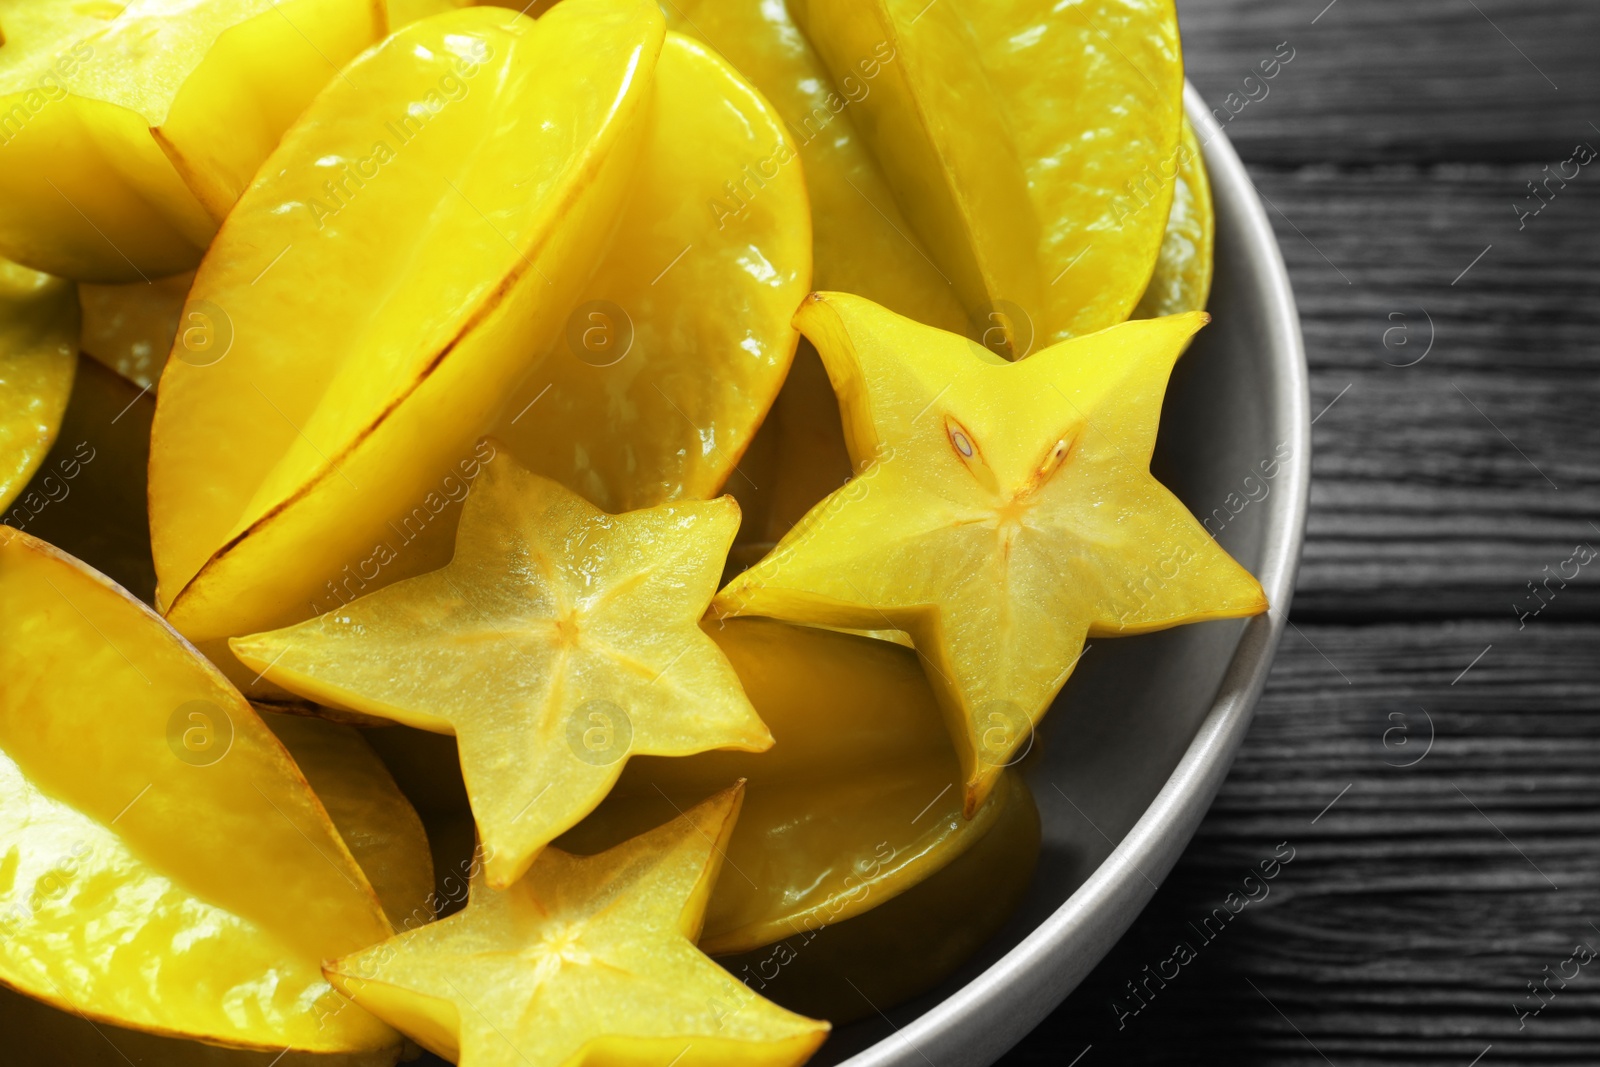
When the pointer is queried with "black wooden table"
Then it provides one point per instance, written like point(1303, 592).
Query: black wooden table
point(1429, 743)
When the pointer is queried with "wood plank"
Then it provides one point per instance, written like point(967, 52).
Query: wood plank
point(1443, 488)
point(1398, 80)
point(1417, 908)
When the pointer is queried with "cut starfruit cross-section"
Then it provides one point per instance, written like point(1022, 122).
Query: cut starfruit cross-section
point(558, 642)
point(586, 958)
point(1003, 513)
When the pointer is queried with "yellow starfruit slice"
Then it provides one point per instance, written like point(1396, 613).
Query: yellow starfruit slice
point(1004, 512)
point(680, 342)
point(88, 497)
point(1182, 278)
point(904, 945)
point(859, 799)
point(585, 957)
point(376, 821)
point(1033, 148)
point(458, 182)
point(128, 131)
point(862, 242)
point(131, 327)
point(38, 352)
point(559, 641)
point(168, 868)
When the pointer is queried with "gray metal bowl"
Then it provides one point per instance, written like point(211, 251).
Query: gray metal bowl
point(1143, 735)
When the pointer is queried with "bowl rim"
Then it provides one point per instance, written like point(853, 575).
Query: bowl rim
point(982, 1020)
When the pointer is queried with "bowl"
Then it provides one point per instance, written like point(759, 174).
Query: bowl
point(1141, 738)
point(1144, 733)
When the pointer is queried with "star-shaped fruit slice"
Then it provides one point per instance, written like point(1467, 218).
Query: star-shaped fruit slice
point(1004, 512)
point(587, 959)
point(558, 641)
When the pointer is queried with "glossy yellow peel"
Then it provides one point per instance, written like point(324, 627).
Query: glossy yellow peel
point(256, 79)
point(680, 341)
point(1182, 278)
point(381, 288)
point(385, 837)
point(863, 243)
point(558, 642)
point(373, 817)
point(168, 867)
point(38, 352)
point(523, 281)
point(1033, 148)
point(126, 132)
point(858, 800)
point(904, 945)
point(1003, 513)
point(935, 124)
point(587, 959)
point(1092, 92)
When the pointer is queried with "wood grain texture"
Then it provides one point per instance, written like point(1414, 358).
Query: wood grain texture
point(1418, 906)
point(1443, 488)
point(1387, 81)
